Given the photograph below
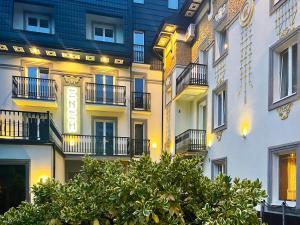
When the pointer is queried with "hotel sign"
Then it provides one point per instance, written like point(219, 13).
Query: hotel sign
point(72, 110)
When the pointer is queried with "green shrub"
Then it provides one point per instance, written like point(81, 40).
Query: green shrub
point(172, 191)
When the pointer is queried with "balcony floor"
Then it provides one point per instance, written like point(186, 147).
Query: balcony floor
point(105, 107)
point(35, 102)
point(192, 92)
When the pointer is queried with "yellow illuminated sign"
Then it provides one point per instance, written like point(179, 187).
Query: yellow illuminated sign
point(72, 110)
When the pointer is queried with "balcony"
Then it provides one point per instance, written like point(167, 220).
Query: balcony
point(107, 98)
point(100, 146)
point(140, 147)
point(191, 141)
point(192, 82)
point(141, 102)
point(138, 53)
point(28, 91)
point(28, 128)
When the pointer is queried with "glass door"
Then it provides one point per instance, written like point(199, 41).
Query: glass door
point(38, 83)
point(105, 132)
point(139, 86)
point(201, 116)
point(139, 135)
point(32, 73)
point(104, 89)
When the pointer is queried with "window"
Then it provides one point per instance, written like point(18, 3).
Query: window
point(275, 4)
point(220, 107)
point(104, 33)
point(139, 1)
point(284, 74)
point(173, 4)
point(221, 44)
point(283, 181)
point(138, 46)
point(219, 166)
point(38, 23)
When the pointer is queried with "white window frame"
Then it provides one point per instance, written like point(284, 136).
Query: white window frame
point(221, 44)
point(273, 172)
point(222, 91)
point(214, 167)
point(37, 28)
point(173, 4)
point(104, 28)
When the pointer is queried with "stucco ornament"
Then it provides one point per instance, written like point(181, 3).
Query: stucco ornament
point(72, 80)
point(246, 13)
point(219, 135)
point(284, 111)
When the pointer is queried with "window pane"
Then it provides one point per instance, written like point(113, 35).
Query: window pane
point(219, 109)
point(44, 23)
point(32, 21)
point(109, 33)
point(284, 75)
point(294, 69)
point(138, 38)
point(99, 31)
point(287, 177)
point(173, 4)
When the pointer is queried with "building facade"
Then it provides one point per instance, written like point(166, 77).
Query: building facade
point(77, 78)
point(231, 86)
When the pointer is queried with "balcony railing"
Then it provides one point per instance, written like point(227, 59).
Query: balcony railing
point(193, 74)
point(96, 145)
point(140, 147)
point(191, 141)
point(105, 94)
point(138, 53)
point(34, 88)
point(31, 127)
point(141, 101)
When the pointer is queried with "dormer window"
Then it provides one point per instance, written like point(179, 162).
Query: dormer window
point(37, 23)
point(104, 33)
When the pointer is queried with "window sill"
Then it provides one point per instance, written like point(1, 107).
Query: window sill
point(223, 56)
point(34, 32)
point(105, 42)
point(283, 101)
point(220, 128)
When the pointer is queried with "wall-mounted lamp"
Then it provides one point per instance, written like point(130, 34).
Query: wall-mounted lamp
point(44, 179)
point(154, 145)
point(245, 132)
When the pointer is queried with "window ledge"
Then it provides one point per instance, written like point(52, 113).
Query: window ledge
point(220, 128)
point(223, 56)
point(105, 42)
point(34, 32)
point(283, 101)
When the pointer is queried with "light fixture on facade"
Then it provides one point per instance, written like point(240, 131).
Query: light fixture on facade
point(245, 132)
point(70, 55)
point(225, 46)
point(90, 58)
point(104, 59)
point(170, 28)
point(44, 179)
point(3, 48)
point(18, 49)
point(34, 51)
point(119, 61)
point(154, 145)
point(50, 53)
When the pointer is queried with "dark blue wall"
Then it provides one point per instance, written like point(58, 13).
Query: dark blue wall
point(70, 32)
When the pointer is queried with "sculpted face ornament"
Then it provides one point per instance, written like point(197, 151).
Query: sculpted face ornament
point(246, 13)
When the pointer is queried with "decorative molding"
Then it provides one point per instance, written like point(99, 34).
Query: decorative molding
point(246, 13)
point(71, 80)
point(285, 17)
point(284, 111)
point(219, 135)
point(220, 70)
point(246, 49)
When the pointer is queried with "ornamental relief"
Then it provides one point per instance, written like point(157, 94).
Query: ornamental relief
point(219, 135)
point(284, 111)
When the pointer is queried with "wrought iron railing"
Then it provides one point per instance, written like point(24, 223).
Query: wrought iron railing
point(33, 127)
point(191, 140)
point(34, 88)
point(140, 147)
point(193, 74)
point(96, 145)
point(105, 94)
point(138, 53)
point(141, 101)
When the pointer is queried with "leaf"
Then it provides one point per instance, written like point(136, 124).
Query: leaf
point(155, 218)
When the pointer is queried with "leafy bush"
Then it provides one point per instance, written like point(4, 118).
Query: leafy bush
point(172, 191)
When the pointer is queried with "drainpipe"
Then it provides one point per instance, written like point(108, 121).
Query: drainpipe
point(130, 115)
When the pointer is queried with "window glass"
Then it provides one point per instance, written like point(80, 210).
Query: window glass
point(295, 66)
point(138, 38)
point(138, 1)
point(173, 4)
point(32, 22)
point(109, 33)
point(287, 177)
point(98, 31)
point(44, 23)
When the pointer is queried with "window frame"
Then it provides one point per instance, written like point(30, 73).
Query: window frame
point(273, 184)
point(274, 7)
point(38, 16)
point(214, 163)
point(216, 45)
point(220, 89)
point(104, 27)
point(274, 69)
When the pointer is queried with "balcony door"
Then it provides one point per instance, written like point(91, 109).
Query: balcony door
point(105, 132)
point(139, 89)
point(104, 89)
point(201, 120)
point(139, 137)
point(38, 83)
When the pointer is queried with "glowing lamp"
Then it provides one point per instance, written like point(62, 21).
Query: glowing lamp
point(154, 145)
point(44, 179)
point(104, 59)
point(35, 51)
point(245, 132)
point(225, 46)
